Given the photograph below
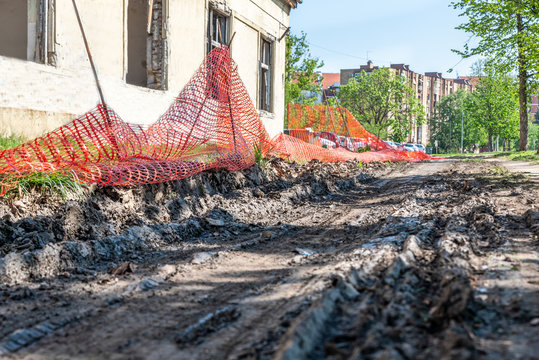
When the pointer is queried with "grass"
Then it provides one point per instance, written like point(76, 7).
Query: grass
point(473, 160)
point(530, 155)
point(259, 156)
point(7, 142)
point(55, 184)
point(519, 155)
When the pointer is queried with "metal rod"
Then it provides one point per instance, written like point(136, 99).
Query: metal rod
point(89, 56)
point(104, 105)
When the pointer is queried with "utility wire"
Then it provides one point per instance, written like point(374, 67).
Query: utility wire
point(461, 59)
point(335, 51)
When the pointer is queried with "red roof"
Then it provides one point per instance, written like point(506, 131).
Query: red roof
point(474, 80)
point(330, 79)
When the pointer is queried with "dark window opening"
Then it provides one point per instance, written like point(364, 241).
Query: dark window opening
point(27, 30)
point(265, 75)
point(146, 51)
point(218, 30)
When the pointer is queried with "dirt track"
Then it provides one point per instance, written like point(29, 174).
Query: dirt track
point(410, 261)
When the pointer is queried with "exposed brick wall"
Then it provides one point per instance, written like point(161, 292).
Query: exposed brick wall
point(158, 50)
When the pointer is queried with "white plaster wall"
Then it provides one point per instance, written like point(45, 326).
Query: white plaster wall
point(29, 85)
point(103, 22)
point(245, 50)
point(186, 40)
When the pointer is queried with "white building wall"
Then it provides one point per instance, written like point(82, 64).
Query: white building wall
point(36, 98)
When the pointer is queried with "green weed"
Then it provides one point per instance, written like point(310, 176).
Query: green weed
point(260, 159)
point(7, 142)
point(59, 184)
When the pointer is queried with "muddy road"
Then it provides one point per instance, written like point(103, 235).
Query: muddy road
point(431, 260)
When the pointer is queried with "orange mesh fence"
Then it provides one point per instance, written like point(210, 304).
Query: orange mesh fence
point(332, 134)
point(212, 123)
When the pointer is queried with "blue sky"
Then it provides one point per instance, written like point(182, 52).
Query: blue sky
point(420, 33)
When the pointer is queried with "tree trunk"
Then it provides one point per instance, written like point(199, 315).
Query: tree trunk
point(490, 143)
point(522, 96)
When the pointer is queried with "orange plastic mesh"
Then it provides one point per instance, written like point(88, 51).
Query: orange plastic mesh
point(212, 123)
point(332, 134)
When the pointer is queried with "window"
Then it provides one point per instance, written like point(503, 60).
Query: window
point(265, 75)
point(146, 44)
point(27, 30)
point(218, 30)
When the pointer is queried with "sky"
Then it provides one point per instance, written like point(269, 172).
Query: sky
point(420, 33)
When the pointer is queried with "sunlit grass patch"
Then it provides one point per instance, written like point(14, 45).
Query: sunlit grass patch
point(54, 184)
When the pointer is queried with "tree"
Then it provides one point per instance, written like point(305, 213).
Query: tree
point(494, 105)
point(450, 119)
point(300, 70)
point(383, 102)
point(508, 31)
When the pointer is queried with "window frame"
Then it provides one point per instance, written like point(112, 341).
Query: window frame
point(265, 74)
point(212, 43)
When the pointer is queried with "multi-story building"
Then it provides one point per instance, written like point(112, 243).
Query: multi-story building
point(330, 83)
point(534, 106)
point(144, 54)
point(429, 88)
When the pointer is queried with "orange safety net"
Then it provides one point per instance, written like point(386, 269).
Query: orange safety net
point(331, 134)
point(211, 124)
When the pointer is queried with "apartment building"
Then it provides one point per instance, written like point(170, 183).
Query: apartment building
point(330, 84)
point(534, 106)
point(145, 52)
point(429, 88)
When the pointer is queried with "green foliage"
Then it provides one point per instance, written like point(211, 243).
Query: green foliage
point(300, 70)
point(493, 106)
point(383, 102)
point(57, 183)
point(7, 142)
point(490, 111)
point(533, 136)
point(366, 148)
point(537, 118)
point(446, 124)
point(507, 33)
point(495, 24)
point(260, 159)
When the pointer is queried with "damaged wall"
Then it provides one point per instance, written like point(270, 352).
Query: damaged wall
point(175, 48)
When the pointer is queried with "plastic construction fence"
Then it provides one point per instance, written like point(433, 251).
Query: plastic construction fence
point(331, 134)
point(211, 124)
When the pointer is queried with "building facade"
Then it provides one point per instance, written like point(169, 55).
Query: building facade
point(534, 107)
point(145, 52)
point(429, 89)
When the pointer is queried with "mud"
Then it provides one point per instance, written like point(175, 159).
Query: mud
point(373, 261)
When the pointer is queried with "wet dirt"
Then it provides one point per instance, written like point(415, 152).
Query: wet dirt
point(430, 260)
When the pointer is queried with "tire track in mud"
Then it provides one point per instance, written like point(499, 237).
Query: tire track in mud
point(386, 271)
point(106, 291)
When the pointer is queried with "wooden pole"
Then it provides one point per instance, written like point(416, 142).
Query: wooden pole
point(150, 13)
